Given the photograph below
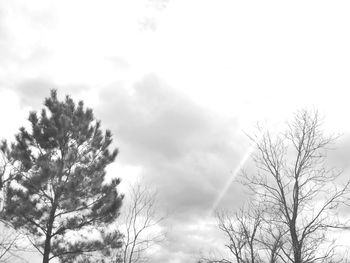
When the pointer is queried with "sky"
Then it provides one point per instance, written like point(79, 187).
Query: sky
point(179, 84)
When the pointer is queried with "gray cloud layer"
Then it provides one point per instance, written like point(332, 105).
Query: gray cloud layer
point(185, 151)
point(180, 145)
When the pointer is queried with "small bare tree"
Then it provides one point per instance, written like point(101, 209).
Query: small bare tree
point(251, 238)
point(136, 230)
point(271, 241)
point(12, 242)
point(140, 224)
point(302, 193)
point(241, 229)
point(6, 166)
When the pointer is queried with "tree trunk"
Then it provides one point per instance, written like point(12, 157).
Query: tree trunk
point(297, 253)
point(47, 248)
point(297, 257)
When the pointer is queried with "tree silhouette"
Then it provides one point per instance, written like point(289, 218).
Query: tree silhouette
point(59, 196)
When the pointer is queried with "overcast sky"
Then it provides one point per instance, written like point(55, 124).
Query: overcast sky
point(179, 83)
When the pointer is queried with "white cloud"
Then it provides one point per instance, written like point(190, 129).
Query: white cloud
point(12, 115)
point(129, 175)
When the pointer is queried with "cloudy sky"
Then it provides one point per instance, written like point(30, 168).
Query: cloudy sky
point(179, 83)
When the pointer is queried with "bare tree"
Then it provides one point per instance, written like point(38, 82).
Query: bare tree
point(295, 200)
point(140, 224)
point(6, 166)
point(251, 238)
point(241, 229)
point(302, 193)
point(12, 242)
point(136, 230)
point(271, 241)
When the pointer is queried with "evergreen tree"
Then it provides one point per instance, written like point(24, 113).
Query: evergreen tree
point(59, 195)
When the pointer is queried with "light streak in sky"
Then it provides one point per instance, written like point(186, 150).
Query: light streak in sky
point(227, 185)
point(232, 177)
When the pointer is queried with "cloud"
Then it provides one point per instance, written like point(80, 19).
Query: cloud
point(338, 155)
point(119, 62)
point(150, 19)
point(33, 91)
point(159, 4)
point(23, 27)
point(186, 151)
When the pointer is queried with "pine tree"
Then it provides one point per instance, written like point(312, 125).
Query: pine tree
point(59, 195)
